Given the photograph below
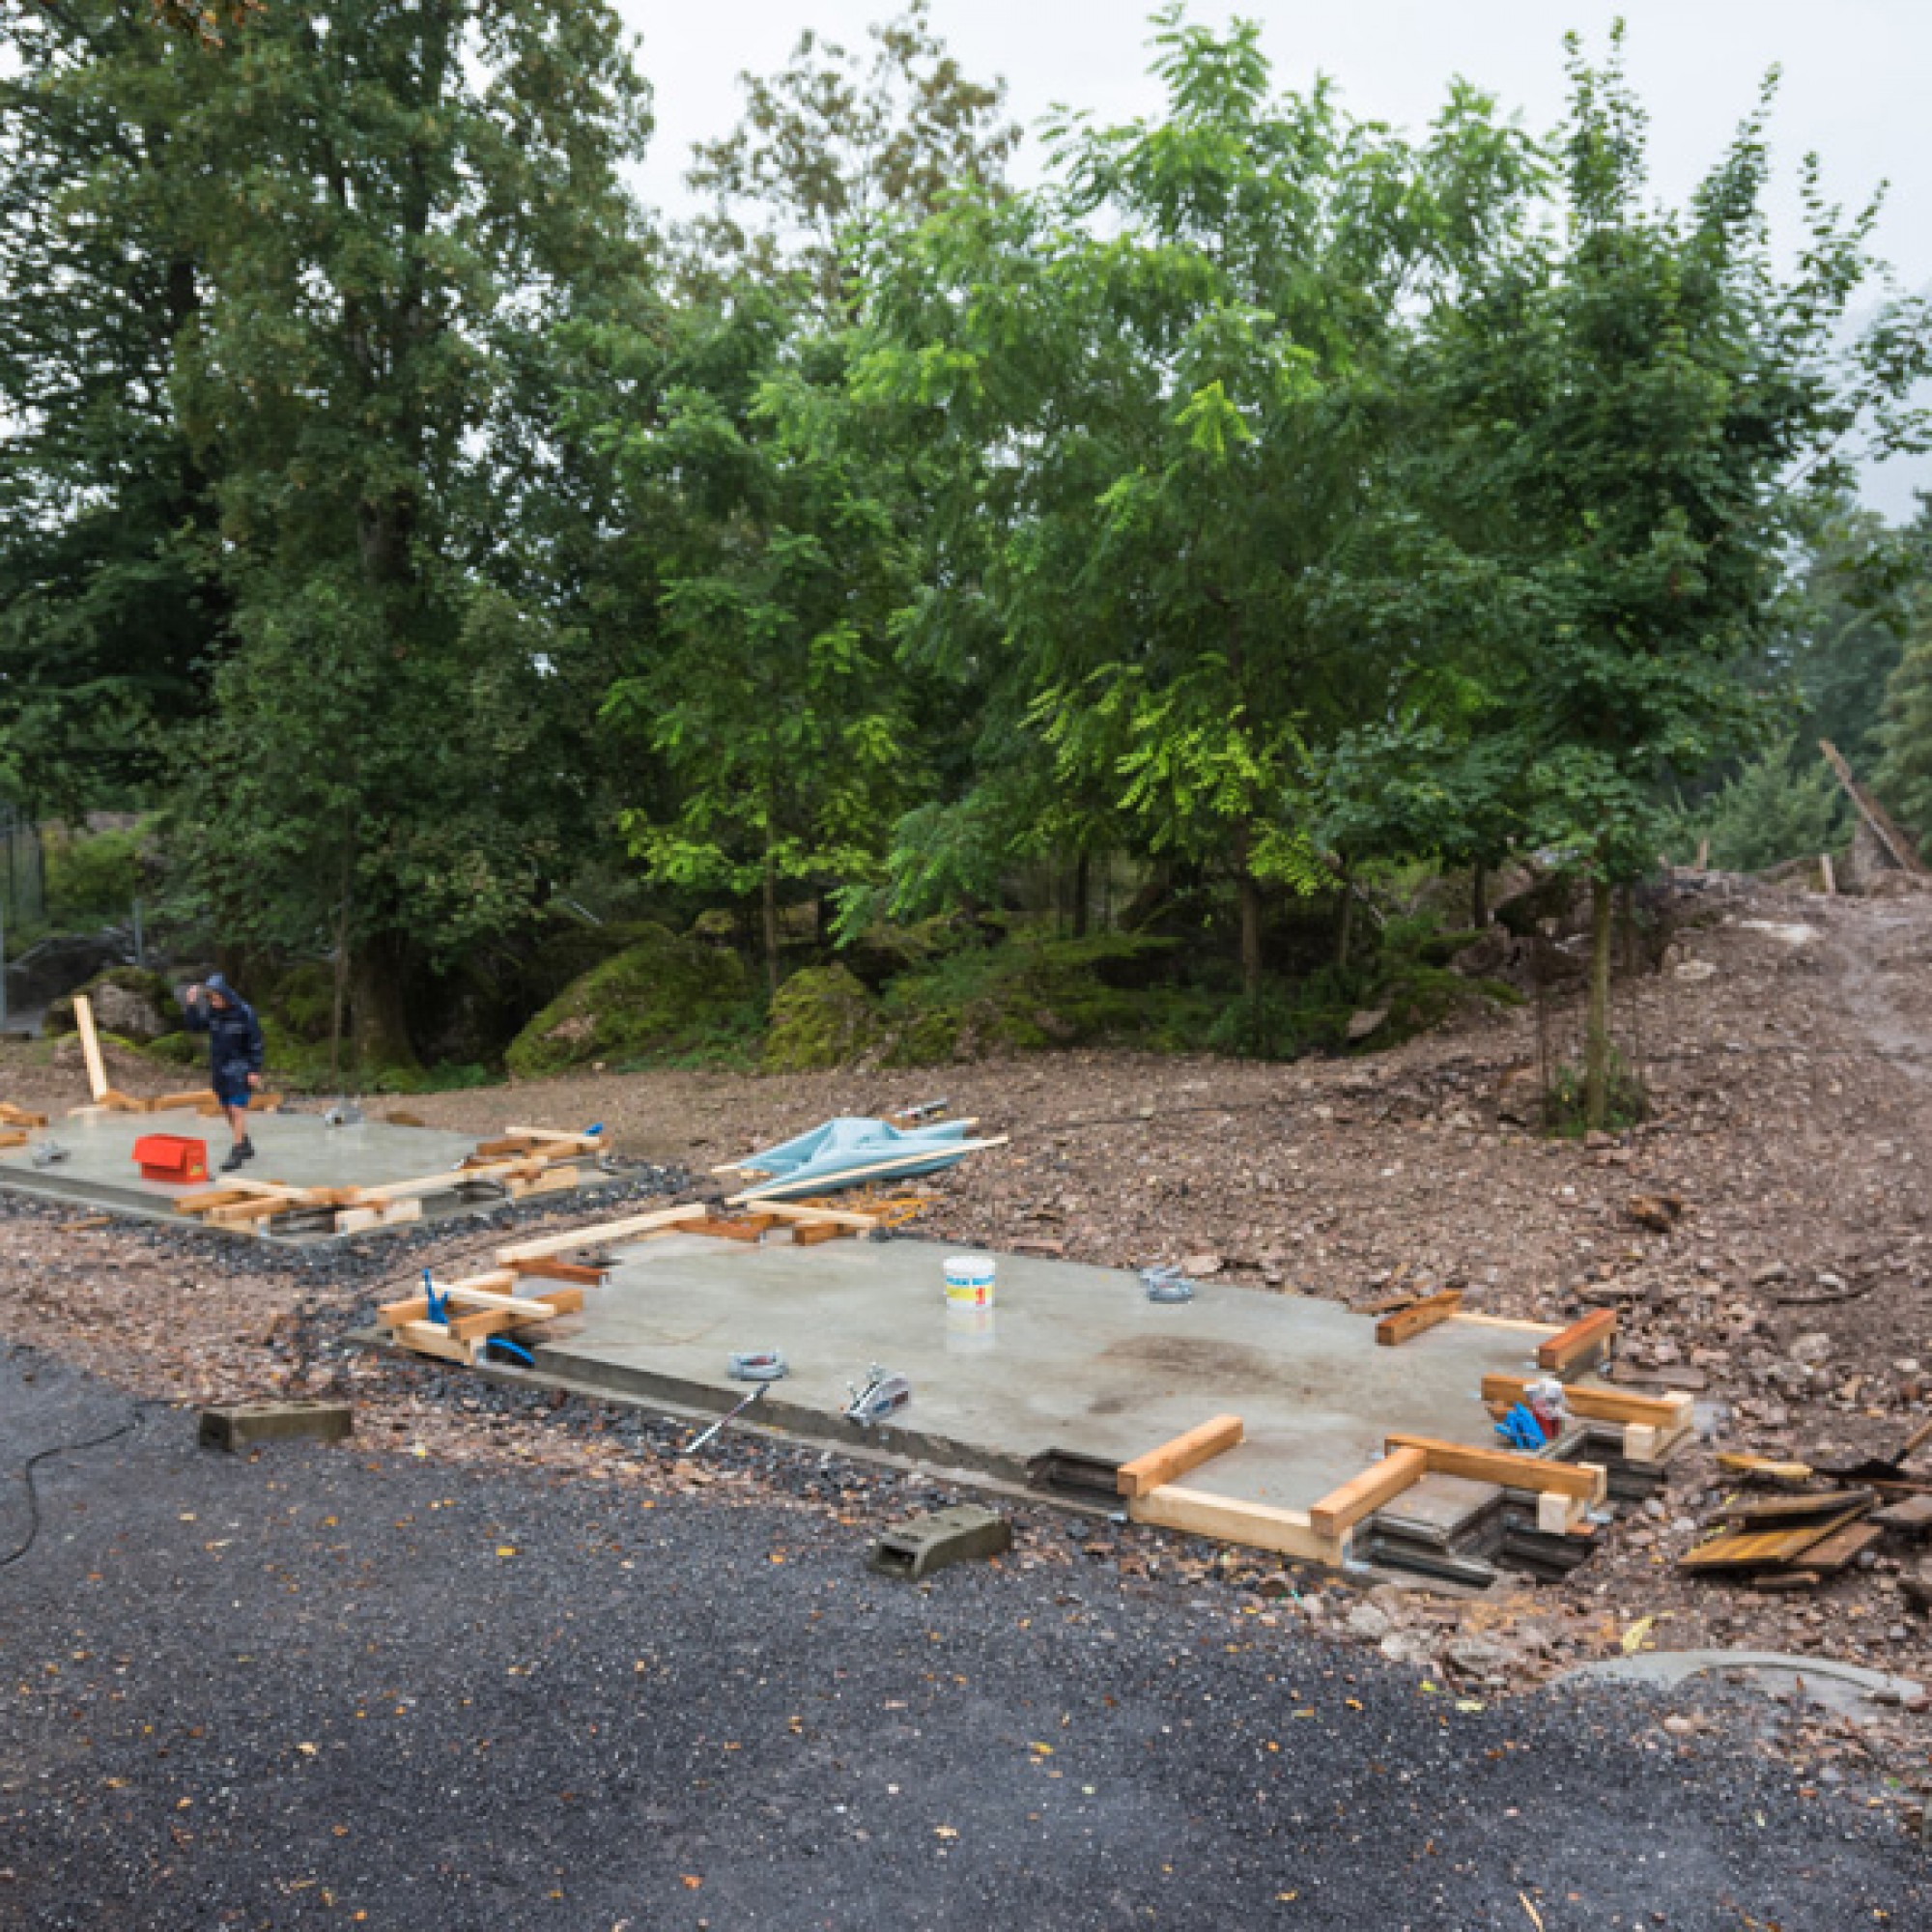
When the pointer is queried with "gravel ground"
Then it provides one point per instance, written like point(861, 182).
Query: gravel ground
point(341, 1685)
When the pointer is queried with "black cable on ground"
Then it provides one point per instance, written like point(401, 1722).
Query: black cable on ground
point(64, 1449)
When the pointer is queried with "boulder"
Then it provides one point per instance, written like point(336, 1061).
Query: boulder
point(131, 1003)
point(660, 996)
point(821, 1017)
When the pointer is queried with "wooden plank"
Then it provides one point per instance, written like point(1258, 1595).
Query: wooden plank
point(552, 1180)
point(1558, 1515)
point(240, 1213)
point(90, 1047)
point(1578, 1343)
point(796, 1212)
point(1200, 1444)
point(1584, 1480)
point(1399, 1325)
point(1763, 1467)
point(1788, 1509)
point(1762, 1549)
point(426, 1338)
point(601, 1234)
point(1508, 1323)
point(734, 1228)
point(502, 1320)
point(219, 1197)
point(580, 1142)
point(167, 1103)
point(14, 1137)
point(1340, 1510)
point(20, 1117)
point(555, 1271)
point(1227, 1520)
point(1878, 821)
point(810, 1233)
point(829, 1183)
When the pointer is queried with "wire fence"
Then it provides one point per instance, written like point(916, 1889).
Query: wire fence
point(23, 870)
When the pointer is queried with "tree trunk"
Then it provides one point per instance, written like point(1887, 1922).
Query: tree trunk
point(1345, 928)
point(1597, 1032)
point(1082, 885)
point(770, 906)
point(1479, 897)
point(382, 1033)
point(341, 984)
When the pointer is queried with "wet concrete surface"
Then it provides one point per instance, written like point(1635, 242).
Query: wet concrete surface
point(331, 1686)
point(1068, 1358)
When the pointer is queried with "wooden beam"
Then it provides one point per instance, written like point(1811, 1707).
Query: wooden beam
point(13, 1137)
point(1403, 1323)
point(1160, 1466)
point(90, 1047)
point(810, 1233)
point(797, 1212)
point(1227, 1520)
point(601, 1234)
point(1584, 1480)
point(578, 1143)
point(500, 1321)
point(167, 1103)
point(555, 1271)
point(20, 1117)
point(1340, 1510)
point(1578, 1345)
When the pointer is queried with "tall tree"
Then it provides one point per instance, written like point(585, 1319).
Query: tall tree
point(1177, 363)
point(1647, 396)
point(107, 621)
point(832, 146)
point(1905, 777)
point(413, 196)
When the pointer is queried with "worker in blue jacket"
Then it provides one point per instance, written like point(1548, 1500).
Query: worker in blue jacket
point(234, 1054)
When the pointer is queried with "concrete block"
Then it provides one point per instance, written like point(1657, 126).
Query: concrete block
point(927, 1542)
point(244, 1424)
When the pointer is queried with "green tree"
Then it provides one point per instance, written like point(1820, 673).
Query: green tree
point(1642, 392)
point(1905, 777)
point(1783, 804)
point(107, 619)
point(832, 146)
point(769, 699)
point(413, 196)
point(1174, 369)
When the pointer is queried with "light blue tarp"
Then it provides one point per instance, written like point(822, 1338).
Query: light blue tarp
point(799, 1166)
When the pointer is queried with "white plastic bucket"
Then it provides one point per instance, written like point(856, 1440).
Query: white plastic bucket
point(969, 1281)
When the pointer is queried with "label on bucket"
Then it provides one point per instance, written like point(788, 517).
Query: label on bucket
point(969, 1280)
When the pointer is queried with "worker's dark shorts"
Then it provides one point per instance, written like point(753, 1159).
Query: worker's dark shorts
point(235, 1095)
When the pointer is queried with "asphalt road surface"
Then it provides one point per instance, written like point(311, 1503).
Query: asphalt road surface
point(327, 1686)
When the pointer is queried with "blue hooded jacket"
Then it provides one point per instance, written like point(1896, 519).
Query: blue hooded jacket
point(234, 1035)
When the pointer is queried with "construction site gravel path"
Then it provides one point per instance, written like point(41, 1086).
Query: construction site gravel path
point(326, 1686)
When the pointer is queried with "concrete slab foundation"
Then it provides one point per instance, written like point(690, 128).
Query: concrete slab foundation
point(294, 1149)
point(1068, 1358)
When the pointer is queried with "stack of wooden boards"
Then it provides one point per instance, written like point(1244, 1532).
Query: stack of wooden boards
point(488, 1305)
point(522, 1161)
point(1809, 1534)
point(1788, 1543)
point(18, 1124)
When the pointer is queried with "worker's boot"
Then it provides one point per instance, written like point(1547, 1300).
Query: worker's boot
point(241, 1152)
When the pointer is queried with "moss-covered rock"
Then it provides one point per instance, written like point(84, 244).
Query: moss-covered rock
point(1023, 996)
point(661, 998)
point(127, 1002)
point(822, 1017)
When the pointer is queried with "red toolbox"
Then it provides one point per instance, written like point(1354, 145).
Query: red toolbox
point(172, 1157)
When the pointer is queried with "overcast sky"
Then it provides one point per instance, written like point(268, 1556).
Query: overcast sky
point(1855, 74)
